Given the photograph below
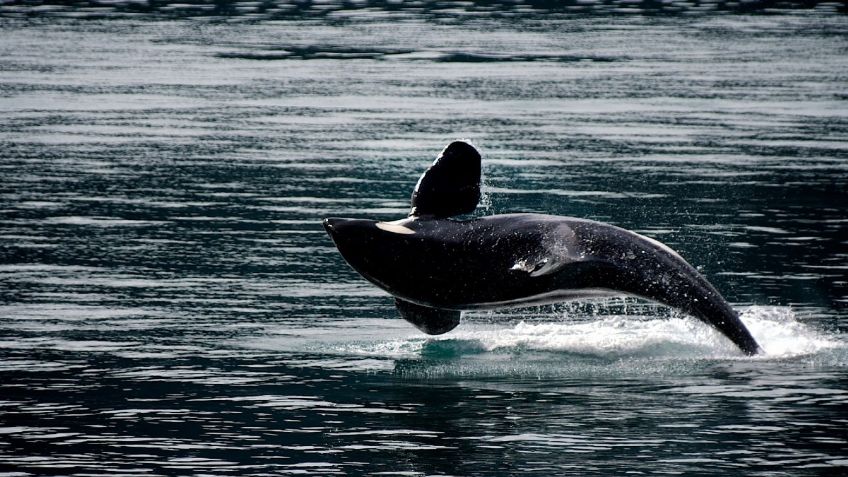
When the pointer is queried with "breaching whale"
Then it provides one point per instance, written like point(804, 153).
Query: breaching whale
point(436, 266)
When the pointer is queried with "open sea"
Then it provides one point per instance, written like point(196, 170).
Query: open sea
point(171, 305)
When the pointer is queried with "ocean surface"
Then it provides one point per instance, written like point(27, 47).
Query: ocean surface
point(171, 305)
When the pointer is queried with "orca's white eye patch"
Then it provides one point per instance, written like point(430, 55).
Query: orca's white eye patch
point(394, 228)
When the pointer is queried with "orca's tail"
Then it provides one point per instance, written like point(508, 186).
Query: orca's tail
point(714, 310)
point(653, 271)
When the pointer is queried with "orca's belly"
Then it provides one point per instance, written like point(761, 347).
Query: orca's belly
point(553, 296)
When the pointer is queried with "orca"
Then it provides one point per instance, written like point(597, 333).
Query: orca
point(436, 265)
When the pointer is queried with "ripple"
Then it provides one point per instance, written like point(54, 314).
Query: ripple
point(169, 303)
point(101, 221)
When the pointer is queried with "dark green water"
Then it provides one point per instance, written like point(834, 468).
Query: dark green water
point(170, 304)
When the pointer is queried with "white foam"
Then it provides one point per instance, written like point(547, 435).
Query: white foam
point(776, 329)
point(613, 336)
point(781, 335)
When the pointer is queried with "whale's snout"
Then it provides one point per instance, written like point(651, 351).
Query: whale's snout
point(336, 227)
point(348, 231)
point(354, 238)
point(330, 225)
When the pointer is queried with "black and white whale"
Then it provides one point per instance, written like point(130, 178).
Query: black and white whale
point(436, 266)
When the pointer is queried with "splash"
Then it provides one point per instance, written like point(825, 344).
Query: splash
point(485, 204)
point(781, 335)
point(777, 330)
point(610, 338)
point(614, 337)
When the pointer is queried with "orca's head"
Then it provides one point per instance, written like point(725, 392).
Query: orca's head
point(351, 236)
point(374, 249)
point(360, 243)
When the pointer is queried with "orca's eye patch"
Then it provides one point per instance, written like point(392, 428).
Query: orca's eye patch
point(394, 228)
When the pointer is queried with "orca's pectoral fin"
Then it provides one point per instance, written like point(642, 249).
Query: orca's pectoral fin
point(433, 321)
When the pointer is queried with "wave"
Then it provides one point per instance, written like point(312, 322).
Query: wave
point(341, 10)
point(335, 52)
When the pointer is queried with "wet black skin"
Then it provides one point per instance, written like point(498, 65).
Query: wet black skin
point(524, 259)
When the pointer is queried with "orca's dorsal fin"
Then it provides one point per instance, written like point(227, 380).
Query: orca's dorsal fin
point(451, 186)
point(433, 321)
